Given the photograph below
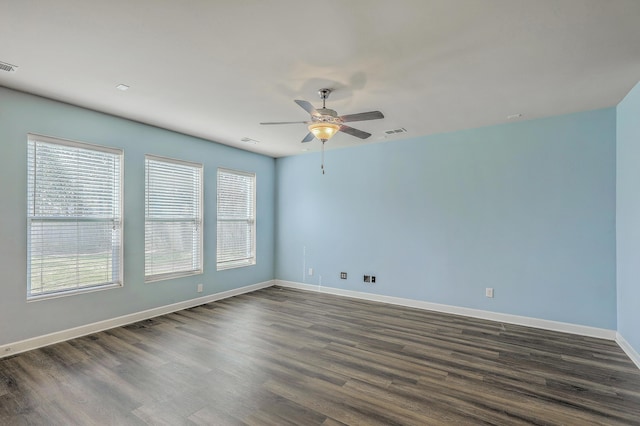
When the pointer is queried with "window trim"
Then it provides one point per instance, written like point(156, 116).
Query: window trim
point(118, 281)
point(253, 259)
point(180, 274)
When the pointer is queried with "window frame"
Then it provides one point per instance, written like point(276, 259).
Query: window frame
point(200, 220)
point(252, 260)
point(117, 219)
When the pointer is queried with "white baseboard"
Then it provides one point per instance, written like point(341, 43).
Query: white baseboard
point(628, 349)
point(72, 333)
point(564, 327)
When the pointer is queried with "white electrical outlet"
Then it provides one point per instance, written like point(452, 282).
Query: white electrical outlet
point(310, 271)
point(200, 288)
point(488, 292)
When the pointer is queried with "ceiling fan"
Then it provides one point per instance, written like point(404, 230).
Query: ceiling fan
point(325, 122)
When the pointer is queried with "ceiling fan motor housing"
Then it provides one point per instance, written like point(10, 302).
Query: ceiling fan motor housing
point(326, 115)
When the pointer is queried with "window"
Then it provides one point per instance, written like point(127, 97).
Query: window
point(236, 219)
point(74, 218)
point(172, 218)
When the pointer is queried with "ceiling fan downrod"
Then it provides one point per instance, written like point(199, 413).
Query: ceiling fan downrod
point(324, 94)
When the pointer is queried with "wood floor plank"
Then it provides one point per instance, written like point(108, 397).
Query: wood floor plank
point(289, 357)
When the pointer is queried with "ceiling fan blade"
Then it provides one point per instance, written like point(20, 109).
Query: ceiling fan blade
point(354, 132)
point(371, 115)
point(307, 107)
point(308, 138)
point(287, 122)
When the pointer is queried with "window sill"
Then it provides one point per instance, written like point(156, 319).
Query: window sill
point(56, 295)
point(164, 277)
point(224, 267)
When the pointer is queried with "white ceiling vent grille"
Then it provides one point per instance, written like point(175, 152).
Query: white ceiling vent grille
point(394, 131)
point(7, 67)
point(249, 140)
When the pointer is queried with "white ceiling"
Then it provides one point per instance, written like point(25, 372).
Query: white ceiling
point(215, 69)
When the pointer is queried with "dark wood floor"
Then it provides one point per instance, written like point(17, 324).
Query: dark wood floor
point(280, 356)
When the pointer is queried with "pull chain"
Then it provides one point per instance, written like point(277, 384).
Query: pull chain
point(322, 165)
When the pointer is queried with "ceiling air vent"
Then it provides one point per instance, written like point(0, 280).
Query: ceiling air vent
point(394, 131)
point(249, 140)
point(7, 67)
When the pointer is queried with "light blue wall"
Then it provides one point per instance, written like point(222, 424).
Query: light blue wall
point(628, 217)
point(527, 208)
point(21, 113)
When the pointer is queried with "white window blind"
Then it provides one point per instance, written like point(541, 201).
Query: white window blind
point(236, 219)
point(74, 217)
point(173, 218)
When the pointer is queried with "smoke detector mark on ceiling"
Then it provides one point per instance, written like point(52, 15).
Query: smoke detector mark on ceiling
point(122, 87)
point(7, 67)
point(394, 131)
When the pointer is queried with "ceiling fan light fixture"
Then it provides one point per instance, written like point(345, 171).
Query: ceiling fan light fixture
point(324, 131)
